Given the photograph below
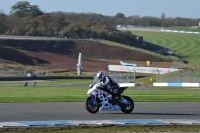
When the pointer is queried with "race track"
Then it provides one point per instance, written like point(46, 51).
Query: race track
point(76, 111)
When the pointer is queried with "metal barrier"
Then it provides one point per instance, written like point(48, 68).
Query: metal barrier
point(187, 76)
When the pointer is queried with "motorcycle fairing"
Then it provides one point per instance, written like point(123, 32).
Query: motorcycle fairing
point(104, 96)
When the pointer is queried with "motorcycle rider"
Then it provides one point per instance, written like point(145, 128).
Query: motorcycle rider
point(109, 85)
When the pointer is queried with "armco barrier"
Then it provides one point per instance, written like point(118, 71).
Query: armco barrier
point(177, 84)
point(177, 31)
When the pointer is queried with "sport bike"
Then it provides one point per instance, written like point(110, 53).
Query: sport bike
point(100, 100)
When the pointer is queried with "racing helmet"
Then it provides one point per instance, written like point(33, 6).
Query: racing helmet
point(100, 75)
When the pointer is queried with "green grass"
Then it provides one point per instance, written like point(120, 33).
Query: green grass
point(58, 91)
point(109, 129)
point(186, 45)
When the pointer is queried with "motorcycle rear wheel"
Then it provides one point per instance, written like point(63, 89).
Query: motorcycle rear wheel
point(129, 107)
point(92, 107)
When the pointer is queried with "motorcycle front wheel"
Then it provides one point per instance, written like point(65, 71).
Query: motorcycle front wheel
point(127, 108)
point(92, 107)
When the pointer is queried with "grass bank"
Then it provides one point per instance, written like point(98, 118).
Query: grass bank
point(186, 45)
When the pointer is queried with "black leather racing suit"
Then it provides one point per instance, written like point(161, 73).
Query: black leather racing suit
point(110, 86)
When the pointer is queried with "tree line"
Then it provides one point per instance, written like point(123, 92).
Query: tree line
point(29, 20)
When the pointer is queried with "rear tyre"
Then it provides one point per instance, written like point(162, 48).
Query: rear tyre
point(92, 107)
point(129, 107)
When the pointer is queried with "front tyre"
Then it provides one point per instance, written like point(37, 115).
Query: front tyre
point(129, 106)
point(92, 107)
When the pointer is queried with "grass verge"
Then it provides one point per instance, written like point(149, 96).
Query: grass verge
point(75, 91)
point(107, 129)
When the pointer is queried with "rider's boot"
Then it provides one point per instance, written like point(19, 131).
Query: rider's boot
point(113, 100)
point(116, 98)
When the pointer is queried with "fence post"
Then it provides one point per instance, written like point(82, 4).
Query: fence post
point(192, 73)
point(121, 76)
point(169, 75)
point(134, 77)
point(180, 75)
point(24, 73)
point(158, 78)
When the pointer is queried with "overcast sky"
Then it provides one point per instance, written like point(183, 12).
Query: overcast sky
point(171, 8)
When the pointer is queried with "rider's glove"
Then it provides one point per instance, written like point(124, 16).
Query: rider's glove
point(98, 86)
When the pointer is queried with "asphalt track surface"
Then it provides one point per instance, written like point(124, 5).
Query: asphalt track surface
point(76, 111)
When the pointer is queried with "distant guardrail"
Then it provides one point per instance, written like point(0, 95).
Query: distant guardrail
point(178, 31)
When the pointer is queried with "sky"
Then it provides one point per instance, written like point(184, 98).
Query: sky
point(154, 8)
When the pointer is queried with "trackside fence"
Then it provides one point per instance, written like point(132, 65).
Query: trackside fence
point(187, 76)
point(181, 76)
point(24, 73)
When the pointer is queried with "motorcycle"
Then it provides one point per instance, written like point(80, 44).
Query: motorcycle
point(100, 100)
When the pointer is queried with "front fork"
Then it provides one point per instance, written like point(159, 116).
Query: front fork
point(93, 99)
